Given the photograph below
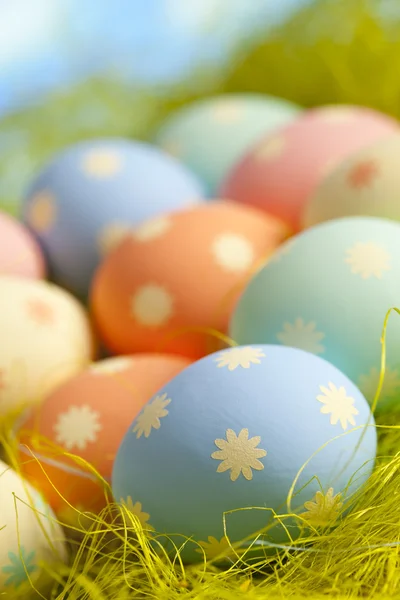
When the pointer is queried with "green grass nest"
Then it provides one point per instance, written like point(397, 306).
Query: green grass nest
point(334, 51)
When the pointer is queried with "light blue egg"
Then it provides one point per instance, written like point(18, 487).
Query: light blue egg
point(211, 135)
point(327, 290)
point(234, 430)
point(83, 201)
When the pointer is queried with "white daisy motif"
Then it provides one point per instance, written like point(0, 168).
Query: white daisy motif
point(302, 335)
point(227, 111)
point(368, 259)
point(136, 509)
point(111, 235)
point(241, 356)
point(152, 229)
point(77, 427)
point(152, 305)
point(102, 163)
point(271, 149)
point(233, 252)
point(42, 211)
point(338, 404)
point(368, 384)
point(150, 416)
point(323, 510)
point(111, 366)
point(239, 454)
point(337, 114)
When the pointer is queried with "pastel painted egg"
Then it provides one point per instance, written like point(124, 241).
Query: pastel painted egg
point(46, 336)
point(282, 171)
point(328, 290)
point(83, 202)
point(366, 183)
point(233, 431)
point(88, 417)
point(212, 134)
point(177, 276)
point(29, 536)
point(20, 254)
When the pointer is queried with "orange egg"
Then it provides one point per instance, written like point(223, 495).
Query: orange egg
point(179, 272)
point(88, 417)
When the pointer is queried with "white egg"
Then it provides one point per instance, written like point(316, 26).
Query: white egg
point(29, 534)
point(45, 339)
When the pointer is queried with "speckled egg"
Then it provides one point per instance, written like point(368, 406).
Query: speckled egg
point(212, 134)
point(177, 276)
point(366, 183)
point(328, 290)
point(46, 336)
point(282, 171)
point(88, 417)
point(238, 429)
point(20, 254)
point(85, 199)
point(29, 535)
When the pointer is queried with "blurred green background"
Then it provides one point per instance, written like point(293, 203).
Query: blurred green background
point(71, 70)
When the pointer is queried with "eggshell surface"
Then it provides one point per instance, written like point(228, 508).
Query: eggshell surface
point(20, 254)
point(29, 533)
point(211, 134)
point(82, 203)
point(88, 416)
point(367, 183)
point(46, 338)
point(327, 291)
point(178, 273)
point(234, 430)
point(282, 171)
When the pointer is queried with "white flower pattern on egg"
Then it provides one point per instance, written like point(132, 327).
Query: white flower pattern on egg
point(152, 305)
point(233, 252)
point(302, 335)
point(338, 405)
point(102, 163)
point(150, 416)
point(239, 454)
point(242, 356)
point(77, 427)
point(368, 259)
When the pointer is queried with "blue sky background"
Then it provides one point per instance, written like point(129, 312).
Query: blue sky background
point(47, 44)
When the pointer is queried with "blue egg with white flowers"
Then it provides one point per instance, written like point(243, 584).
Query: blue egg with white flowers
point(88, 197)
point(268, 428)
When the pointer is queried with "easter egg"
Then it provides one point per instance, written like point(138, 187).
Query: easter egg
point(85, 199)
point(282, 171)
point(46, 338)
point(212, 134)
point(366, 183)
point(237, 429)
point(177, 274)
point(88, 417)
point(29, 535)
point(328, 290)
point(20, 254)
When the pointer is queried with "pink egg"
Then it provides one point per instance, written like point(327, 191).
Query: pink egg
point(283, 169)
point(20, 254)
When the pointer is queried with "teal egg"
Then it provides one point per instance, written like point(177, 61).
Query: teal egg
point(212, 134)
point(327, 290)
point(239, 429)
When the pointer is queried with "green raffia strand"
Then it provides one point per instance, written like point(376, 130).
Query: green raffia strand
point(112, 558)
point(304, 61)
